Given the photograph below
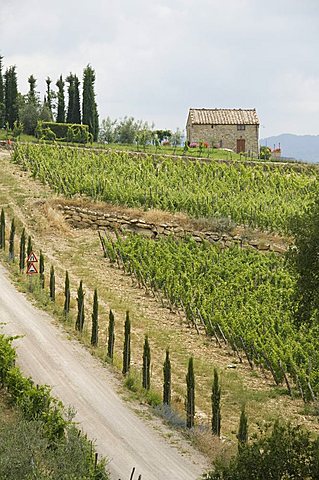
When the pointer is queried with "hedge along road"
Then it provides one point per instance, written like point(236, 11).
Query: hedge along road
point(80, 380)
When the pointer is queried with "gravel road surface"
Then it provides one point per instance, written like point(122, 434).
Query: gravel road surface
point(79, 380)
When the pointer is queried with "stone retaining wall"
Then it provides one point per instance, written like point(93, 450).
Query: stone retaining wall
point(84, 218)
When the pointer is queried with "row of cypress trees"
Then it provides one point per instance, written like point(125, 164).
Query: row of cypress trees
point(9, 99)
point(146, 368)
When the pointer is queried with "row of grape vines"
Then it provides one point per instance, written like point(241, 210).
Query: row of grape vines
point(260, 196)
point(238, 296)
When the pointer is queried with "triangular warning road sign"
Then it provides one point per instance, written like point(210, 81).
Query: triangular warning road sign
point(32, 258)
point(31, 269)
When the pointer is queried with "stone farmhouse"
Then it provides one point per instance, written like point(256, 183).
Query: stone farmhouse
point(236, 129)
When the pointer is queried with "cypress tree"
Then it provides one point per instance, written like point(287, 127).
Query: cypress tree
point(76, 103)
point(52, 284)
point(127, 345)
point(95, 321)
point(32, 96)
point(242, 435)
point(2, 108)
point(11, 240)
point(146, 382)
point(89, 108)
point(22, 251)
point(67, 294)
point(11, 97)
point(190, 398)
point(80, 316)
point(41, 267)
point(216, 395)
point(61, 101)
point(2, 230)
point(111, 336)
point(167, 380)
point(71, 95)
point(49, 93)
point(29, 247)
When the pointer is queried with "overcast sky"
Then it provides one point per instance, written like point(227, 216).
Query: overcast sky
point(154, 59)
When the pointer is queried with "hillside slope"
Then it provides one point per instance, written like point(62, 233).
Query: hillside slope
point(300, 147)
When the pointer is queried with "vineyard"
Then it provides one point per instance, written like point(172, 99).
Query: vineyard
point(261, 196)
point(238, 296)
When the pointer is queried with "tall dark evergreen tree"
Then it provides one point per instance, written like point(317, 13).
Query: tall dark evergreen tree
point(216, 395)
point(52, 283)
point(11, 97)
point(89, 108)
point(2, 230)
point(41, 267)
point(242, 435)
point(74, 107)
point(61, 101)
point(111, 336)
point(32, 96)
point(167, 380)
point(71, 95)
point(2, 108)
point(80, 316)
point(95, 321)
point(49, 93)
point(190, 397)
point(29, 247)
point(22, 250)
point(146, 382)
point(11, 240)
point(67, 295)
point(127, 345)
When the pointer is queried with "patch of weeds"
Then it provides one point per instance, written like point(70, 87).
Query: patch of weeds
point(153, 398)
point(131, 382)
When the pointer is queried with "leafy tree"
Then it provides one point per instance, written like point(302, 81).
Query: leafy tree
point(2, 230)
point(127, 345)
point(29, 116)
point(216, 395)
point(163, 135)
point(107, 130)
point(11, 240)
point(41, 267)
point(176, 137)
point(22, 250)
point(11, 97)
point(288, 452)
point(167, 380)
point(126, 130)
point(190, 397)
point(111, 336)
point(52, 283)
point(2, 107)
point(95, 321)
point(146, 382)
point(304, 259)
point(80, 316)
point(89, 107)
point(61, 101)
point(242, 435)
point(67, 294)
point(265, 153)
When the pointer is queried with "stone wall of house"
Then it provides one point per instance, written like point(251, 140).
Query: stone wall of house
point(84, 218)
point(225, 136)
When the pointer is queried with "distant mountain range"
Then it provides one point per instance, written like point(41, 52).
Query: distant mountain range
point(300, 147)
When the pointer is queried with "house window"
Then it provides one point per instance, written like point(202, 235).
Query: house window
point(212, 126)
point(241, 127)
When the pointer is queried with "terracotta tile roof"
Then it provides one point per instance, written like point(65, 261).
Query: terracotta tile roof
point(223, 116)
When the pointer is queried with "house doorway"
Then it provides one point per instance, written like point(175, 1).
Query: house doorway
point(241, 145)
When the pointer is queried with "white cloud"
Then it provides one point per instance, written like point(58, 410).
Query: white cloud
point(155, 59)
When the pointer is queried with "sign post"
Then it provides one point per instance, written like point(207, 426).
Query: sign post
point(31, 268)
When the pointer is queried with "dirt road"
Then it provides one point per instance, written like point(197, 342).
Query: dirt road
point(81, 381)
